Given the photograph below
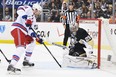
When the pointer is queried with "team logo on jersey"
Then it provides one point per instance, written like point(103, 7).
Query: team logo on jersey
point(2, 28)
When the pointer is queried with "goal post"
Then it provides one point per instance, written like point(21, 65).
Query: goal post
point(104, 36)
point(99, 42)
point(93, 27)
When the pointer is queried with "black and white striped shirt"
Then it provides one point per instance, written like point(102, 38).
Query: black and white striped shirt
point(71, 17)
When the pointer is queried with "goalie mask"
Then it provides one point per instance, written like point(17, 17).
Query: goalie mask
point(73, 27)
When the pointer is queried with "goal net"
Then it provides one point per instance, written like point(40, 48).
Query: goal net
point(104, 41)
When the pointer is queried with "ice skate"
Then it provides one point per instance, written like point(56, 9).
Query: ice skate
point(27, 63)
point(13, 70)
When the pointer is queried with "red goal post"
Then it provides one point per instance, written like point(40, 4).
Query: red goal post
point(98, 23)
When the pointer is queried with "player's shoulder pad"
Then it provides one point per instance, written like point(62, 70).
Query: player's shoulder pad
point(82, 30)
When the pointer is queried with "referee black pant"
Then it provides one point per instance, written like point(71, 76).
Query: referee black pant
point(66, 35)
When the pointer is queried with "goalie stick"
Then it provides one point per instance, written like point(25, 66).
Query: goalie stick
point(64, 47)
point(47, 48)
point(5, 57)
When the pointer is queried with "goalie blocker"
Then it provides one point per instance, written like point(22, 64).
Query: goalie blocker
point(77, 56)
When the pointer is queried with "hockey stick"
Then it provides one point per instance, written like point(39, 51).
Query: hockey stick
point(64, 47)
point(58, 45)
point(47, 48)
point(5, 57)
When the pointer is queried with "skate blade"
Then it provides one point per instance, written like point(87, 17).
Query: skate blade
point(14, 73)
point(27, 66)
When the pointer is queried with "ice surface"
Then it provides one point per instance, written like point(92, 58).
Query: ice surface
point(45, 65)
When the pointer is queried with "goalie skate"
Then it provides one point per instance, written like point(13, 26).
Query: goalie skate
point(13, 70)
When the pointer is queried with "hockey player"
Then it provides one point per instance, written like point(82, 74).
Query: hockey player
point(80, 39)
point(23, 35)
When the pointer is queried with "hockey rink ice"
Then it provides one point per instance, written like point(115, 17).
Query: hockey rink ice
point(45, 65)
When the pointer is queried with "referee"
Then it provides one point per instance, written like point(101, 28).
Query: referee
point(70, 16)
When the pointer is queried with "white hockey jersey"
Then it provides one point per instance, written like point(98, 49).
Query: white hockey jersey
point(20, 22)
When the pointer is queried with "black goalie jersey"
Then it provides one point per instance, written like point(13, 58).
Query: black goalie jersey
point(79, 48)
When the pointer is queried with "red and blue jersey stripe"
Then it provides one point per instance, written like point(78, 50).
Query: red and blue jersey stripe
point(20, 26)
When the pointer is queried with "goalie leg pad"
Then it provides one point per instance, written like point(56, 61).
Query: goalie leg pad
point(78, 62)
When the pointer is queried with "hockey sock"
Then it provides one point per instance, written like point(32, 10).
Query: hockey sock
point(15, 58)
point(29, 49)
point(28, 55)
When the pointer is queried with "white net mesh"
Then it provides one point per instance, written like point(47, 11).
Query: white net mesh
point(108, 48)
point(108, 55)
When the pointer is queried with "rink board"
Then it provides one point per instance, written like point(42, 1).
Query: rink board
point(54, 32)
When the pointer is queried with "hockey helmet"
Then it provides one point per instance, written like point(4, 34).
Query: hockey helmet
point(37, 6)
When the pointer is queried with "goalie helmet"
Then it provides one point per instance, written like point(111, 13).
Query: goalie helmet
point(37, 6)
point(73, 27)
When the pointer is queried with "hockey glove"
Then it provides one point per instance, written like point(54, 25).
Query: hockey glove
point(34, 35)
point(28, 23)
point(24, 17)
point(39, 40)
point(81, 41)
